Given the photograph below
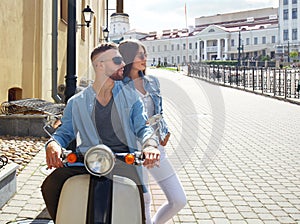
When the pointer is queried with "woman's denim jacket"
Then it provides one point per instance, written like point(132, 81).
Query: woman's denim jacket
point(152, 86)
point(78, 119)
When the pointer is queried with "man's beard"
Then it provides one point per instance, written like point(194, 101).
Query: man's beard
point(117, 75)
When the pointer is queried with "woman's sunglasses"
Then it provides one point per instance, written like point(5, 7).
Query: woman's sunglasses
point(142, 55)
point(117, 60)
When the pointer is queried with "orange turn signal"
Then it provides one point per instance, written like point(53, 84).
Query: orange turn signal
point(71, 158)
point(129, 159)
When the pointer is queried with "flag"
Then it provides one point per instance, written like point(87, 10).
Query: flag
point(185, 15)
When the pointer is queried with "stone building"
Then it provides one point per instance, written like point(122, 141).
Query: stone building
point(289, 36)
point(26, 43)
point(246, 35)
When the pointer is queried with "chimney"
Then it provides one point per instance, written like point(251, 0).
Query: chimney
point(119, 6)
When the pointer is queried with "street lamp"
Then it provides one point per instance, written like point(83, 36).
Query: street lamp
point(105, 34)
point(87, 15)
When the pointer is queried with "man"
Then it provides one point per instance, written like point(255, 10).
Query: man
point(106, 112)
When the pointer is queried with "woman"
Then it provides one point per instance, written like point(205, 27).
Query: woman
point(134, 55)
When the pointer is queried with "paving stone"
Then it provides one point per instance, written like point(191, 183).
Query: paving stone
point(252, 175)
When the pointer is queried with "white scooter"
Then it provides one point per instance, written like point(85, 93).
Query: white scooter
point(101, 197)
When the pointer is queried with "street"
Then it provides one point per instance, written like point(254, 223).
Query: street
point(236, 153)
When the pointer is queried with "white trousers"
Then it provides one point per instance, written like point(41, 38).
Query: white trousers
point(167, 179)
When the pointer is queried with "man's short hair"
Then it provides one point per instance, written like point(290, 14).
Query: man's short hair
point(102, 48)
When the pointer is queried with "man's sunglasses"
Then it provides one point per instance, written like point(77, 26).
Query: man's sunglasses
point(117, 60)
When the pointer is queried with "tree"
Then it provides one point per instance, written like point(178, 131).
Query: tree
point(294, 55)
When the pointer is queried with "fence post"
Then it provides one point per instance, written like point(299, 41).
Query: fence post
point(237, 76)
point(274, 82)
point(285, 83)
point(244, 77)
point(253, 80)
point(262, 80)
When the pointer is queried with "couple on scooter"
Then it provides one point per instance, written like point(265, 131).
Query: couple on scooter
point(110, 112)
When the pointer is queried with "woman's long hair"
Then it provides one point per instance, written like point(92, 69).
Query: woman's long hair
point(129, 49)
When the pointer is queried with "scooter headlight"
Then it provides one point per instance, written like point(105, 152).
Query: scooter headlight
point(99, 160)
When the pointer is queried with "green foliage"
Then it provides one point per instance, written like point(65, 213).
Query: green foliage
point(218, 62)
point(294, 55)
point(265, 58)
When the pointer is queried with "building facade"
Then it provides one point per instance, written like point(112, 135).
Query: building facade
point(248, 35)
point(289, 35)
point(26, 45)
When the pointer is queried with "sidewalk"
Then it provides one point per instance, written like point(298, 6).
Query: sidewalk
point(236, 153)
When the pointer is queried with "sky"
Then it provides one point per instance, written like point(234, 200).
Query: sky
point(158, 15)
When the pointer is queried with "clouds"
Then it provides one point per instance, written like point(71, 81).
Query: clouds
point(157, 15)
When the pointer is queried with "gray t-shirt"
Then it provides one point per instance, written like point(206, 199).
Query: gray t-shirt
point(109, 126)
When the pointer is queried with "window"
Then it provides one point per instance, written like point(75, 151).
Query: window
point(247, 41)
point(178, 59)
point(294, 13)
point(178, 47)
point(172, 47)
point(183, 46)
point(190, 46)
point(285, 14)
point(263, 40)
point(166, 47)
point(64, 11)
point(285, 34)
point(255, 40)
point(294, 1)
point(294, 34)
point(273, 39)
point(232, 42)
point(196, 45)
point(153, 49)
point(285, 2)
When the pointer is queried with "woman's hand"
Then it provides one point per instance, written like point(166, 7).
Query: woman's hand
point(152, 156)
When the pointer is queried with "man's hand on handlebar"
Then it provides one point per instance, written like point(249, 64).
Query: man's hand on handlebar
point(53, 155)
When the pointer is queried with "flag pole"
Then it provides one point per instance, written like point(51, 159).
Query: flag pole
point(187, 51)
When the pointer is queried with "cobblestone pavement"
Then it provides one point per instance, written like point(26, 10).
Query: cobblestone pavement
point(236, 154)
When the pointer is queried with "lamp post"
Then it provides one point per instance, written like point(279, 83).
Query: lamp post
point(71, 77)
point(200, 50)
point(239, 49)
point(288, 51)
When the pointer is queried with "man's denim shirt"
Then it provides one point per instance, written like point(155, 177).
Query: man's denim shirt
point(78, 118)
point(152, 86)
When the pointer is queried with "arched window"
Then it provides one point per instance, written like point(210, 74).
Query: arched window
point(14, 94)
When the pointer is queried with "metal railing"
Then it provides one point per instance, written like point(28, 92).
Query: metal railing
point(278, 83)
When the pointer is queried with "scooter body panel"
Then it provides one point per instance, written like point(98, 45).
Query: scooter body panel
point(72, 205)
point(126, 206)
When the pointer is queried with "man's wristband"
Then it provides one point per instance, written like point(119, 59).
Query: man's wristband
point(48, 142)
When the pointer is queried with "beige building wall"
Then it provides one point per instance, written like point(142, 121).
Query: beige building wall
point(26, 46)
point(20, 42)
